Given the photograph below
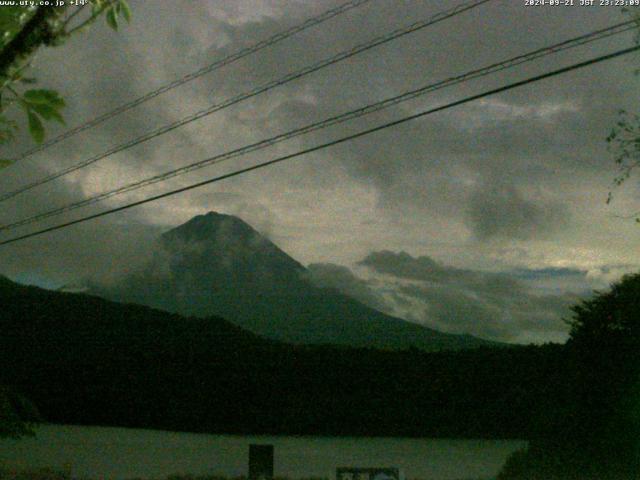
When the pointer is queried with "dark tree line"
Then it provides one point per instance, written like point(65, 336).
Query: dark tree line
point(598, 434)
point(85, 360)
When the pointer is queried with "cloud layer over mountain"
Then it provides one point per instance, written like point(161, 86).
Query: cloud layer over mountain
point(499, 306)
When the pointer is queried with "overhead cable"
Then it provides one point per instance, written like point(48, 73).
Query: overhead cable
point(395, 34)
point(332, 143)
point(229, 59)
point(338, 119)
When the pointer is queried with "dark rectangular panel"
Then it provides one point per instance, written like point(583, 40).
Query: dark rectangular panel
point(260, 462)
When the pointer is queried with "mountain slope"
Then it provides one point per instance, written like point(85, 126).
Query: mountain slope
point(217, 264)
point(84, 360)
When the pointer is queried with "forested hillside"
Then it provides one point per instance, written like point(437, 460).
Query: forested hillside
point(85, 360)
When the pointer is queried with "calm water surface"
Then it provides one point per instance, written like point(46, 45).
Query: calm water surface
point(118, 453)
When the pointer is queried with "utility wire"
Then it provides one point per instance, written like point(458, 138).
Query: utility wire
point(350, 115)
point(332, 143)
point(234, 57)
point(463, 7)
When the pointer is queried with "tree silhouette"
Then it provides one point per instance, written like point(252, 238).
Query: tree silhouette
point(599, 436)
point(604, 345)
point(17, 414)
point(23, 31)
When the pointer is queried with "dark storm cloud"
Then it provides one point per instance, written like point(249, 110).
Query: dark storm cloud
point(498, 210)
point(527, 135)
point(498, 306)
point(541, 273)
point(103, 250)
point(403, 265)
point(430, 150)
point(506, 315)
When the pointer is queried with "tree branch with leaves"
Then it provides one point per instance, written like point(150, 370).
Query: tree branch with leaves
point(623, 142)
point(24, 31)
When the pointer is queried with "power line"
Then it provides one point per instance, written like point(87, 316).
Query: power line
point(234, 57)
point(350, 115)
point(463, 7)
point(347, 138)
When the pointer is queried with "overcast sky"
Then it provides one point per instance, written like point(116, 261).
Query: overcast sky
point(488, 218)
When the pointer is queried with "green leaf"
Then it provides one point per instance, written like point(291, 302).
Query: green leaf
point(46, 97)
point(47, 112)
point(112, 19)
point(4, 163)
point(36, 129)
point(38, 96)
point(125, 10)
point(97, 6)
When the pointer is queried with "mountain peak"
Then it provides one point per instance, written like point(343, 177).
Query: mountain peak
point(228, 248)
point(217, 229)
point(217, 264)
point(212, 218)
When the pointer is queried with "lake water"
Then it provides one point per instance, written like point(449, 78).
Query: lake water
point(118, 453)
